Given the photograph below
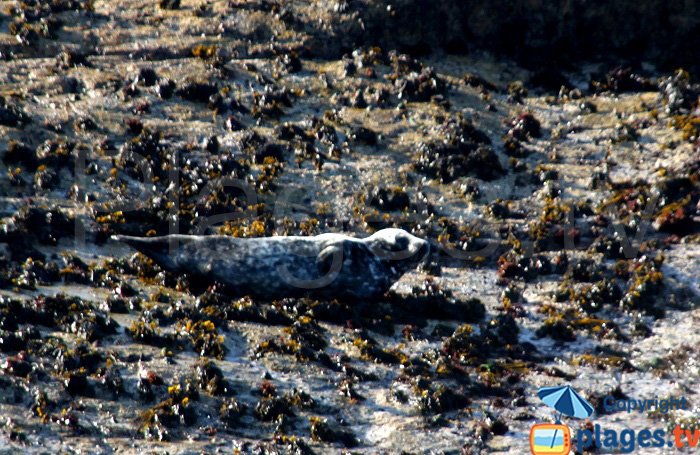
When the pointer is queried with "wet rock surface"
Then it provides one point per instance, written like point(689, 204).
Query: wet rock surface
point(562, 205)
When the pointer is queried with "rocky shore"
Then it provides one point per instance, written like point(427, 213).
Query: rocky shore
point(558, 182)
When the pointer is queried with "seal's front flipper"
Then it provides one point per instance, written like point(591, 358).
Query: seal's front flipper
point(329, 263)
point(330, 259)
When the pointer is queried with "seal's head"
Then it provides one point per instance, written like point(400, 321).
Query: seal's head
point(402, 251)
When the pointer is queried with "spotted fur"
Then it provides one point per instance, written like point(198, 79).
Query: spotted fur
point(324, 266)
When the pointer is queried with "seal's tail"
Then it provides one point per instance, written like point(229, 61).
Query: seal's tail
point(156, 248)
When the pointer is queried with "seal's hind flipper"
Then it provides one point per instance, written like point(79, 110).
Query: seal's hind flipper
point(156, 248)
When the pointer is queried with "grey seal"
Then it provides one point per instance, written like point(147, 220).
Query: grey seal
point(323, 266)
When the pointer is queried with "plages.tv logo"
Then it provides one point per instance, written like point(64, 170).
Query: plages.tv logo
point(555, 438)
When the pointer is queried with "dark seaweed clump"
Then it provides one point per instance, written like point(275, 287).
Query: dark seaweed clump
point(413, 81)
point(621, 79)
point(12, 115)
point(463, 151)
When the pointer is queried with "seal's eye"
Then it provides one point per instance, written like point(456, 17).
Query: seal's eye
point(399, 244)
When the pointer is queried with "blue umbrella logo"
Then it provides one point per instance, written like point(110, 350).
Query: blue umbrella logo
point(567, 401)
